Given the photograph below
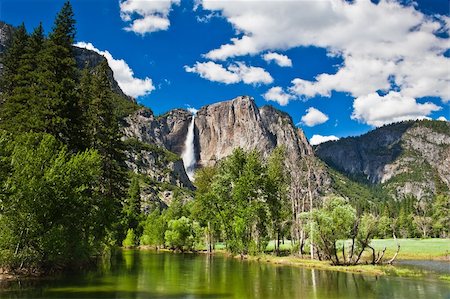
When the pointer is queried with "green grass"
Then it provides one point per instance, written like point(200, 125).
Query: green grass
point(409, 248)
point(415, 248)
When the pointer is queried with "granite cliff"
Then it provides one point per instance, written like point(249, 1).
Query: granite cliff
point(407, 158)
point(222, 127)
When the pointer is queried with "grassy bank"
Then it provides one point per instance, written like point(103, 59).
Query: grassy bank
point(410, 249)
point(416, 249)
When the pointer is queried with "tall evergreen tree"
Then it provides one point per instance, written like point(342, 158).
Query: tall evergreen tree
point(104, 136)
point(58, 78)
point(12, 60)
point(22, 110)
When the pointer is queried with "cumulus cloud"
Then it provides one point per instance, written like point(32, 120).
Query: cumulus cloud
point(442, 118)
point(146, 16)
point(376, 110)
point(234, 73)
point(277, 94)
point(384, 46)
point(318, 139)
point(314, 117)
point(123, 74)
point(280, 59)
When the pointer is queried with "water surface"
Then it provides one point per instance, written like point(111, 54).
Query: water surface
point(146, 274)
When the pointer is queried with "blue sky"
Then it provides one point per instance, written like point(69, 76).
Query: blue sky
point(338, 68)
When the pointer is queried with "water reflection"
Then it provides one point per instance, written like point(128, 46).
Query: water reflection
point(134, 274)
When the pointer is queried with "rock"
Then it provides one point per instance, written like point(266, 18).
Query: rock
point(411, 157)
point(222, 127)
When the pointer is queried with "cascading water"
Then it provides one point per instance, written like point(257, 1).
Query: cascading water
point(188, 154)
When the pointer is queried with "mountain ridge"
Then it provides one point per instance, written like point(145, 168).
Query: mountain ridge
point(406, 158)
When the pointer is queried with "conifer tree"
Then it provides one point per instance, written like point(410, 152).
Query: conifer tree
point(104, 136)
point(21, 111)
point(12, 59)
point(58, 78)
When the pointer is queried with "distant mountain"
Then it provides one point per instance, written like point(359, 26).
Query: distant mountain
point(407, 158)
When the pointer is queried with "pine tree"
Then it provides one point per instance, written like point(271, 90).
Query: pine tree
point(132, 206)
point(58, 78)
point(104, 136)
point(12, 60)
point(22, 109)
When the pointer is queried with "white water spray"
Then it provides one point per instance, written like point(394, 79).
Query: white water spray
point(188, 154)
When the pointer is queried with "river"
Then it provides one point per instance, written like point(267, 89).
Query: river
point(147, 274)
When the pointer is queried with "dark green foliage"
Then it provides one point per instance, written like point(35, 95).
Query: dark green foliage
point(62, 173)
point(12, 60)
point(132, 207)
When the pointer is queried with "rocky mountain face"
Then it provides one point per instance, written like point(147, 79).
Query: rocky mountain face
point(408, 158)
point(222, 127)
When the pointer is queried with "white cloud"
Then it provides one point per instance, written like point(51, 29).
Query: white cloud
point(251, 74)
point(314, 117)
point(280, 59)
point(277, 94)
point(213, 72)
point(123, 74)
point(318, 139)
point(153, 15)
point(382, 44)
point(376, 110)
point(234, 73)
point(442, 118)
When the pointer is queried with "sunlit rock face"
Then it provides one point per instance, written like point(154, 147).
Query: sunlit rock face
point(408, 158)
point(224, 126)
point(220, 128)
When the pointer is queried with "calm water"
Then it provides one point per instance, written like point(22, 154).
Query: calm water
point(163, 275)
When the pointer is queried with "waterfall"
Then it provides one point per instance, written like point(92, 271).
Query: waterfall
point(188, 154)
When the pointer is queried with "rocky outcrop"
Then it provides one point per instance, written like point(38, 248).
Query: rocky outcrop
point(222, 127)
point(411, 157)
point(88, 58)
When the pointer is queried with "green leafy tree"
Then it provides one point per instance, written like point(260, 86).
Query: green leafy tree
point(238, 194)
point(277, 194)
point(332, 223)
point(204, 207)
point(155, 227)
point(183, 234)
point(441, 216)
point(51, 214)
point(130, 239)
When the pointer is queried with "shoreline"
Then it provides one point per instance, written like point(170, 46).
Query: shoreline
point(295, 261)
